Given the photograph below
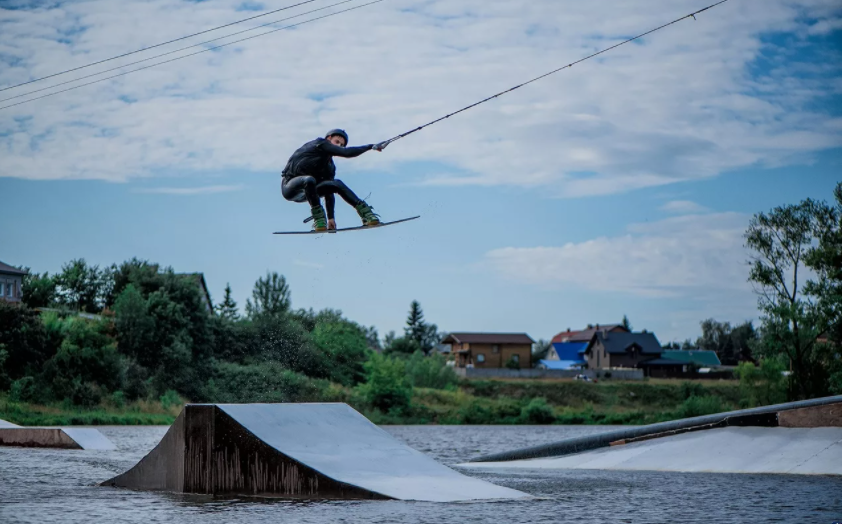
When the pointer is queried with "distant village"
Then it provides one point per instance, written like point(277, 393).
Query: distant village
point(597, 351)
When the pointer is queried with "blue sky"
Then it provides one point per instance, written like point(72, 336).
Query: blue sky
point(619, 187)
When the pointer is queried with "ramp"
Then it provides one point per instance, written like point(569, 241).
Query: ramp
point(807, 451)
point(295, 451)
point(4, 424)
point(66, 438)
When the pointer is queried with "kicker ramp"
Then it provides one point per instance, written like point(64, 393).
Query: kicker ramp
point(295, 451)
point(66, 438)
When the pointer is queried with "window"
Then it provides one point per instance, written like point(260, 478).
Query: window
point(2, 289)
point(480, 358)
point(516, 359)
point(495, 348)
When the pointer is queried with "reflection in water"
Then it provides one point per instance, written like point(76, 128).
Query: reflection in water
point(43, 485)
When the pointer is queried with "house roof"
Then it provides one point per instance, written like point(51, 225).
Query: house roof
point(662, 362)
point(618, 343)
point(489, 338)
point(561, 364)
point(700, 357)
point(585, 335)
point(569, 350)
point(10, 270)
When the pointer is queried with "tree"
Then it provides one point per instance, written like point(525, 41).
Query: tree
point(38, 290)
point(80, 286)
point(425, 336)
point(387, 387)
point(540, 349)
point(626, 324)
point(135, 327)
point(227, 309)
point(784, 243)
point(270, 296)
point(24, 339)
point(716, 336)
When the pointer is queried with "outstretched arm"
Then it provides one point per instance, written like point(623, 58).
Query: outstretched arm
point(345, 152)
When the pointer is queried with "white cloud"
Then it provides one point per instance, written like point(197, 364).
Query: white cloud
point(681, 106)
point(204, 190)
point(304, 263)
point(683, 207)
point(693, 256)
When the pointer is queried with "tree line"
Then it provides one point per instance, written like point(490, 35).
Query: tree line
point(146, 331)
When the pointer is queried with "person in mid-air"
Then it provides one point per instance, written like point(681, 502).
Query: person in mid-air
point(311, 174)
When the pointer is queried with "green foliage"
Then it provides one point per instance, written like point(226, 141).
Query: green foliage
point(87, 364)
point(512, 363)
point(227, 309)
point(5, 380)
point(24, 339)
point(387, 387)
point(23, 390)
point(540, 349)
point(785, 242)
point(699, 406)
point(265, 382)
point(626, 324)
point(692, 389)
point(170, 398)
point(430, 372)
point(343, 344)
point(135, 326)
point(271, 297)
point(424, 336)
point(763, 385)
point(402, 346)
point(538, 412)
point(38, 290)
point(731, 344)
point(81, 287)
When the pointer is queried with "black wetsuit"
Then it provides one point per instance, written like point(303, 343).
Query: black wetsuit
point(310, 174)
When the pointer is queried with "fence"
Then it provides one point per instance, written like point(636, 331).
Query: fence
point(618, 374)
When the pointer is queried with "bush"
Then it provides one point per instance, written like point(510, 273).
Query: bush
point(699, 406)
point(430, 372)
point(169, 399)
point(764, 385)
point(512, 364)
point(387, 387)
point(692, 389)
point(538, 412)
point(23, 390)
point(264, 382)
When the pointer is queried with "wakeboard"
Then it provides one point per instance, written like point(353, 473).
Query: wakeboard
point(339, 230)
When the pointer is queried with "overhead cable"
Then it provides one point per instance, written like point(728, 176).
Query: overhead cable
point(419, 128)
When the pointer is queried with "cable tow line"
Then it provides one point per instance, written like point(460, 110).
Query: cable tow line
point(501, 93)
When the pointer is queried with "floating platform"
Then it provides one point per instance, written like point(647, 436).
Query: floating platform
point(301, 451)
point(795, 438)
point(65, 438)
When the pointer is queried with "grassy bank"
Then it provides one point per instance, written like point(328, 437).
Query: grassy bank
point(473, 402)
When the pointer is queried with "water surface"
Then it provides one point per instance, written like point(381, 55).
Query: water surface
point(44, 485)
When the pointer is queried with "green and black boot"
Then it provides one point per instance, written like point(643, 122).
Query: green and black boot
point(368, 216)
point(319, 219)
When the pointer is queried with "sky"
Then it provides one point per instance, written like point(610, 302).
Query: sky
point(622, 185)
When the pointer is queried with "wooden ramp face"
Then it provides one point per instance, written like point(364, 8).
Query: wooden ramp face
point(67, 438)
point(306, 451)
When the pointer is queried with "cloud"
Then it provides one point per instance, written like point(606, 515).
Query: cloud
point(683, 207)
point(694, 256)
point(689, 102)
point(188, 190)
point(304, 263)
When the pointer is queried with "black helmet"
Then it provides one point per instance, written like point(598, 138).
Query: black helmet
point(339, 132)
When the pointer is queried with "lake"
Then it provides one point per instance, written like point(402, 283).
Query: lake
point(45, 485)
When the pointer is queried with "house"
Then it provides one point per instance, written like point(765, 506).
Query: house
point(676, 363)
point(568, 347)
point(199, 279)
point(490, 350)
point(11, 283)
point(621, 349)
point(585, 335)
